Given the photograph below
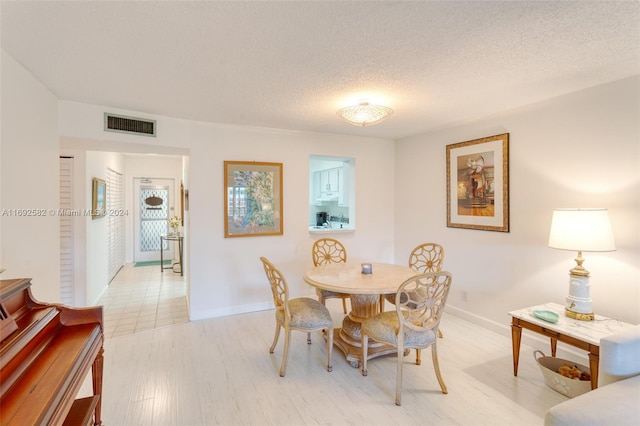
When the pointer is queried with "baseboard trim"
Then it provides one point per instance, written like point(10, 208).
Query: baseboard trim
point(234, 310)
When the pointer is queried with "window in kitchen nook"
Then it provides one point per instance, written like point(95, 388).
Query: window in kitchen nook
point(331, 194)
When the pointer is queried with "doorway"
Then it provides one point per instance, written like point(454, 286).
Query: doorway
point(154, 204)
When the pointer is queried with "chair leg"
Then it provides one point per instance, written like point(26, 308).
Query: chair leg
point(418, 358)
point(382, 300)
point(329, 349)
point(440, 334)
point(275, 339)
point(308, 338)
point(399, 373)
point(364, 342)
point(285, 355)
point(436, 366)
point(344, 304)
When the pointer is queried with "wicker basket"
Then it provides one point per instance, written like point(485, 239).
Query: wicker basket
point(556, 381)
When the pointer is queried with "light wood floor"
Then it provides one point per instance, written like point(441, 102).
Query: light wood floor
point(219, 372)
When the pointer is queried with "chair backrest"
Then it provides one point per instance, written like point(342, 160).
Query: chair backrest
point(279, 286)
point(420, 300)
point(427, 257)
point(328, 250)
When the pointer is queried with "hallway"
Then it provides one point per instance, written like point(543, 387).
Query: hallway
point(143, 298)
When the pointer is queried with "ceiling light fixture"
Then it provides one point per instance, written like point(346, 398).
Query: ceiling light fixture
point(364, 114)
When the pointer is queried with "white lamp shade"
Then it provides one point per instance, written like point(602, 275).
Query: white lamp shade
point(581, 230)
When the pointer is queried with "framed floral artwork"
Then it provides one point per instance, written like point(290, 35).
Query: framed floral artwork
point(252, 199)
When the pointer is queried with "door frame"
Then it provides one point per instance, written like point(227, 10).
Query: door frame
point(138, 183)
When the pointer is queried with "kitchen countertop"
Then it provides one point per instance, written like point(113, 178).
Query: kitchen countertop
point(334, 229)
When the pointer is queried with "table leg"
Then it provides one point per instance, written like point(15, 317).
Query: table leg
point(347, 339)
point(161, 254)
point(180, 250)
point(554, 346)
point(516, 336)
point(594, 359)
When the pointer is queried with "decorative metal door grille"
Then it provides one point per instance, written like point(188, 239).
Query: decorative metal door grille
point(154, 217)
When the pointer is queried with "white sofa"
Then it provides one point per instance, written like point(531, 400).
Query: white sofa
point(616, 401)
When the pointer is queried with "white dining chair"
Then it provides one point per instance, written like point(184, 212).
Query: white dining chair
point(325, 251)
point(302, 313)
point(426, 257)
point(419, 303)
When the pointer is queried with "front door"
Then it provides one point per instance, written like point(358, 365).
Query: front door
point(154, 205)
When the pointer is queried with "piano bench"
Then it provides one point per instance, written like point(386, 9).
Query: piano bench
point(81, 413)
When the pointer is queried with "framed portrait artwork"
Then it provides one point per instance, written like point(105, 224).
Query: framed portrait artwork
point(252, 199)
point(98, 198)
point(478, 184)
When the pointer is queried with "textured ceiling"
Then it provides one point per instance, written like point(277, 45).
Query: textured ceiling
point(291, 65)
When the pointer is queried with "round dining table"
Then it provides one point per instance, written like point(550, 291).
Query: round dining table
point(364, 291)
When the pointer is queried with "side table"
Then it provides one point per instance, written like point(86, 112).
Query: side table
point(177, 238)
point(584, 335)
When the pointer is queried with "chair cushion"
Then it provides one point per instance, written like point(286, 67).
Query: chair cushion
point(403, 297)
point(307, 314)
point(384, 328)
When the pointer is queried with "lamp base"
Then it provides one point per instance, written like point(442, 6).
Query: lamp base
point(579, 305)
point(579, 315)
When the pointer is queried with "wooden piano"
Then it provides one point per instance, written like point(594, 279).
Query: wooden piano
point(46, 351)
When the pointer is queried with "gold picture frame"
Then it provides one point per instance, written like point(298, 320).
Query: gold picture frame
point(252, 199)
point(478, 184)
point(98, 198)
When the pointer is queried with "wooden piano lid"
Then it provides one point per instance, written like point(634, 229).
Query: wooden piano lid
point(10, 287)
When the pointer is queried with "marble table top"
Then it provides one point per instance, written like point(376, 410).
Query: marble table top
point(587, 331)
point(348, 278)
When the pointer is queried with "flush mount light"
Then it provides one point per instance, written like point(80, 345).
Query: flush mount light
point(364, 114)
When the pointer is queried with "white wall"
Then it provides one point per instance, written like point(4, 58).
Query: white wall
point(225, 275)
point(578, 150)
point(97, 230)
point(29, 169)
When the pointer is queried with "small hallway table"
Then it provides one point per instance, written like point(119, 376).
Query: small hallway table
point(584, 335)
point(180, 240)
point(364, 291)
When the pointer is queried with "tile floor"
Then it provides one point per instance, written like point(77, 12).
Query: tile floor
point(143, 298)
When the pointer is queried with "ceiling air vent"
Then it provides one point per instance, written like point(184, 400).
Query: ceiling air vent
point(122, 124)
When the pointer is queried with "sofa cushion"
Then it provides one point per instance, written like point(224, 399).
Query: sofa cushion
point(616, 404)
point(619, 356)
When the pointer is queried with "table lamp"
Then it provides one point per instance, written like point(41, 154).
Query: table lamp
point(580, 230)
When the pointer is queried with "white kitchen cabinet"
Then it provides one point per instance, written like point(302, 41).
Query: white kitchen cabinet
point(327, 184)
point(329, 180)
point(334, 180)
point(343, 193)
